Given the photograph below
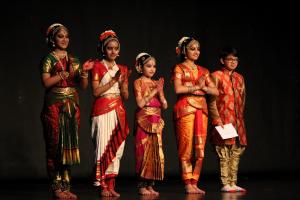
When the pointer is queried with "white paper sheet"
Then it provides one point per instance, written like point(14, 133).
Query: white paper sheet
point(227, 132)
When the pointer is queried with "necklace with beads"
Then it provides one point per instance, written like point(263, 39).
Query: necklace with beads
point(58, 58)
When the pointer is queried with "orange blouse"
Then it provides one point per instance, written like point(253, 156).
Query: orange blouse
point(148, 117)
point(189, 103)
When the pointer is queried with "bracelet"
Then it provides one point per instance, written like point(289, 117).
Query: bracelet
point(62, 78)
point(84, 75)
point(190, 89)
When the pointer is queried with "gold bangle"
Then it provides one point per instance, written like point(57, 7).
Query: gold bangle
point(84, 75)
point(190, 89)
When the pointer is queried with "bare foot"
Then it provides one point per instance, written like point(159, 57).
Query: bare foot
point(144, 191)
point(70, 195)
point(114, 193)
point(198, 190)
point(58, 194)
point(189, 189)
point(238, 188)
point(150, 189)
point(228, 188)
point(105, 193)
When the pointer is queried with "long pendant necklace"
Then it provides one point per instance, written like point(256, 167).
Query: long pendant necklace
point(57, 58)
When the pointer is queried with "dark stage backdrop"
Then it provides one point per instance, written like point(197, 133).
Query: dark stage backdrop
point(267, 38)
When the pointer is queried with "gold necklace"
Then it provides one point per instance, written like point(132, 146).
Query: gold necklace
point(192, 67)
point(58, 59)
point(108, 64)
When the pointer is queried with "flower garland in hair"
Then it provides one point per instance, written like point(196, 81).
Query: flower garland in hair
point(179, 45)
point(106, 34)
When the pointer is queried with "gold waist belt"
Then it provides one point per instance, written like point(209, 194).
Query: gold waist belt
point(191, 95)
point(65, 91)
point(109, 96)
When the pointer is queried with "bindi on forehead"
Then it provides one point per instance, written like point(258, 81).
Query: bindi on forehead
point(63, 32)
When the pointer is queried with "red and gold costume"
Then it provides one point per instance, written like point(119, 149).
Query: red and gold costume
point(228, 107)
point(190, 115)
point(60, 118)
point(109, 124)
point(148, 134)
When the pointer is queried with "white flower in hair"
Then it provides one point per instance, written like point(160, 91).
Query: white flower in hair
point(138, 67)
point(51, 26)
point(182, 40)
point(140, 55)
point(179, 45)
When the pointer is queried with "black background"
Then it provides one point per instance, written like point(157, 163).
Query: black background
point(266, 36)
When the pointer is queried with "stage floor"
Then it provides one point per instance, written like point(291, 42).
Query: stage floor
point(170, 189)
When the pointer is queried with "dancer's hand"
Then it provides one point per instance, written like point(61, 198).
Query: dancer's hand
point(220, 123)
point(201, 82)
point(63, 75)
point(88, 65)
point(124, 76)
point(160, 85)
point(117, 75)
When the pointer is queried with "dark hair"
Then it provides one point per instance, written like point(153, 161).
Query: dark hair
point(226, 51)
point(143, 59)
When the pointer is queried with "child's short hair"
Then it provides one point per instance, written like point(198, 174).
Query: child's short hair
point(226, 51)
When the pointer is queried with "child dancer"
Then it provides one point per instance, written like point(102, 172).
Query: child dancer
point(150, 99)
